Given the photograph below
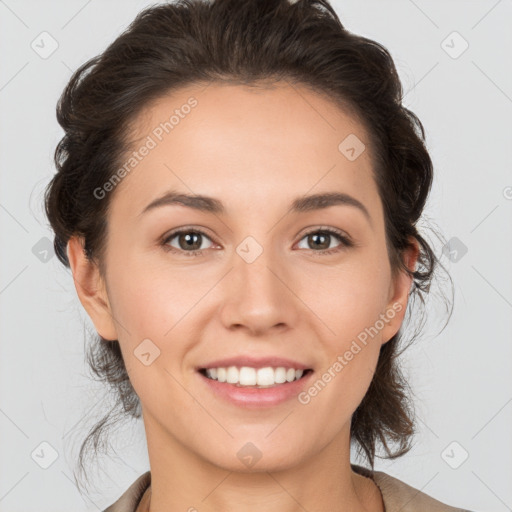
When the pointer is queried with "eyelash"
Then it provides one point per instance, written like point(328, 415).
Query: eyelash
point(345, 241)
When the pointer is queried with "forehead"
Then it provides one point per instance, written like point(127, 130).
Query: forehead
point(241, 142)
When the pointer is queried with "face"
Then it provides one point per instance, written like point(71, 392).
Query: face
point(259, 277)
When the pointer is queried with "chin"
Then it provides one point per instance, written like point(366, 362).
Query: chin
point(256, 457)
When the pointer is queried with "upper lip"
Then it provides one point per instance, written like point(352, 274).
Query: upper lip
point(254, 362)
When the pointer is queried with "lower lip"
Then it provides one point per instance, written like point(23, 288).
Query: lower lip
point(257, 397)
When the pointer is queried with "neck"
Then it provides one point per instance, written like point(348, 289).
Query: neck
point(183, 480)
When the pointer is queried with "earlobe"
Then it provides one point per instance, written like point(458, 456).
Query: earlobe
point(91, 289)
point(399, 293)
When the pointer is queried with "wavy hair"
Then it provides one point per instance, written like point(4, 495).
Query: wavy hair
point(250, 42)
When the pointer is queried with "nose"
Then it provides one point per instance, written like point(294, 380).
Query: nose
point(259, 296)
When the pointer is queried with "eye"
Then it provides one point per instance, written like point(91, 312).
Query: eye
point(189, 241)
point(321, 238)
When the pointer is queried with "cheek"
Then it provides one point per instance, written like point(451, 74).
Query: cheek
point(346, 299)
point(154, 307)
point(160, 312)
point(349, 303)
point(149, 300)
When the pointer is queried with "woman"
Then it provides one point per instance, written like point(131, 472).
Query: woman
point(237, 195)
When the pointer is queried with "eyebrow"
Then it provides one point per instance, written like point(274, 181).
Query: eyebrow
point(299, 205)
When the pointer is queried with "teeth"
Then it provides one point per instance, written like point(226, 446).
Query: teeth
point(221, 374)
point(247, 376)
point(265, 376)
point(280, 375)
point(260, 377)
point(232, 375)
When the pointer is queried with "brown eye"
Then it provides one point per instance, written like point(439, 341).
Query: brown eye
point(320, 240)
point(188, 241)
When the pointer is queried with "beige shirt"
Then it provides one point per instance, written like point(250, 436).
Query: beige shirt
point(397, 495)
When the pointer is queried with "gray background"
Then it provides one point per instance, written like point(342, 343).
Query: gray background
point(461, 377)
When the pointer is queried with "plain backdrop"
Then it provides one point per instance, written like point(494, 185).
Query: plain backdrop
point(454, 61)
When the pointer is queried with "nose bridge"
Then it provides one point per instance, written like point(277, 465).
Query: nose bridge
point(257, 296)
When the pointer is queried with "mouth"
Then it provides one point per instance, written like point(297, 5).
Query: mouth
point(252, 382)
point(257, 378)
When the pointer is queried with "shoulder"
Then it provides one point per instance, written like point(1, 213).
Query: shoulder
point(130, 499)
point(399, 496)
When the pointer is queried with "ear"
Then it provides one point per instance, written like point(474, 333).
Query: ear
point(91, 289)
point(399, 293)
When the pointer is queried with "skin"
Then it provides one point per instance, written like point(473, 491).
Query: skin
point(256, 150)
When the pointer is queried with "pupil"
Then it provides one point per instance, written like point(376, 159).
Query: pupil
point(189, 240)
point(325, 237)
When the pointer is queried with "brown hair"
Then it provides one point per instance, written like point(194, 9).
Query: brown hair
point(244, 42)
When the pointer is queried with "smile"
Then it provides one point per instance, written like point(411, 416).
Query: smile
point(247, 376)
point(254, 388)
